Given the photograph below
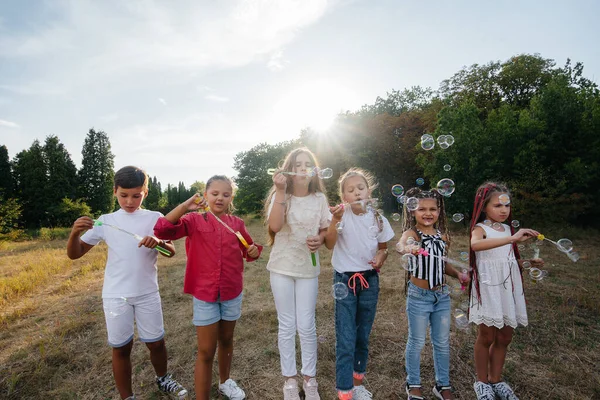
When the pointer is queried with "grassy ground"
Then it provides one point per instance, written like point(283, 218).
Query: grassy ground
point(53, 338)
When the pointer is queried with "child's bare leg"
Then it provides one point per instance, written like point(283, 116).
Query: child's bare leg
point(158, 356)
point(225, 348)
point(485, 338)
point(498, 353)
point(121, 364)
point(207, 345)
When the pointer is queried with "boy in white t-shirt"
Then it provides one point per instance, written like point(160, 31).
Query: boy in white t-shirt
point(130, 290)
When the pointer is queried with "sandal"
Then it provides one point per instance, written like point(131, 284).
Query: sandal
point(413, 396)
point(438, 390)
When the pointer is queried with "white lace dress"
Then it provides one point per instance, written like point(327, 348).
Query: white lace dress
point(305, 216)
point(500, 285)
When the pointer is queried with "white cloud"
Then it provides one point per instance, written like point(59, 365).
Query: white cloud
point(216, 98)
point(276, 62)
point(162, 101)
point(9, 124)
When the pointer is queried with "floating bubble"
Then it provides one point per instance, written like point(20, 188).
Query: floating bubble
point(339, 227)
point(447, 167)
point(441, 139)
point(504, 199)
point(401, 199)
point(427, 142)
point(444, 145)
point(449, 140)
point(464, 256)
point(487, 222)
point(464, 305)
point(115, 307)
point(497, 226)
point(526, 265)
point(573, 255)
point(325, 173)
point(374, 203)
point(397, 190)
point(420, 181)
point(339, 290)
point(521, 247)
point(536, 274)
point(460, 319)
point(396, 217)
point(514, 223)
point(412, 203)
point(458, 217)
point(408, 262)
point(485, 278)
point(446, 187)
point(373, 232)
point(564, 245)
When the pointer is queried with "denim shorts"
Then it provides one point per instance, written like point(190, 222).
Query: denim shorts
point(207, 313)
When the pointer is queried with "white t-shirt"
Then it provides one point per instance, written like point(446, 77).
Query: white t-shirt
point(130, 270)
point(358, 242)
point(305, 217)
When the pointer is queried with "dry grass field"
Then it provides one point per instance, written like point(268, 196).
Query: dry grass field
point(53, 338)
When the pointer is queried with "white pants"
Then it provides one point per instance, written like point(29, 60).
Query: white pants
point(296, 300)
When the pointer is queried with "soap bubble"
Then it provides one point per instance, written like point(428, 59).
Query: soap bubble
point(401, 199)
point(420, 181)
point(447, 167)
point(564, 245)
point(412, 203)
point(458, 217)
point(427, 142)
point(446, 187)
point(339, 227)
point(460, 319)
point(504, 199)
point(373, 232)
point(396, 217)
point(397, 190)
point(515, 224)
point(339, 290)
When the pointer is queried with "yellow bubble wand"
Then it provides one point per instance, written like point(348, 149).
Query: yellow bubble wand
point(236, 233)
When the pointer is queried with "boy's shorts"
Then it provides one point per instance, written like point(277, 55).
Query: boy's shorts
point(120, 313)
point(206, 313)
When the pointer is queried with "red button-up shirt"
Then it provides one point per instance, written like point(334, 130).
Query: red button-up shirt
point(215, 256)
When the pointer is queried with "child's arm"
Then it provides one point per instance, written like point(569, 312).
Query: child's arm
point(463, 277)
point(331, 234)
point(254, 250)
point(380, 256)
point(404, 247)
point(76, 247)
point(196, 202)
point(276, 217)
point(172, 226)
point(479, 242)
point(152, 241)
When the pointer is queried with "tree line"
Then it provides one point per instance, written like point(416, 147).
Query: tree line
point(42, 187)
point(524, 122)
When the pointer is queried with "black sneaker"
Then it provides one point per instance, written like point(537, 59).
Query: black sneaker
point(170, 386)
point(437, 391)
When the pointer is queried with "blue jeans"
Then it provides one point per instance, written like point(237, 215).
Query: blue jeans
point(354, 316)
point(427, 308)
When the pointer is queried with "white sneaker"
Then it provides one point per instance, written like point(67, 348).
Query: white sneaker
point(311, 389)
point(484, 391)
point(361, 393)
point(505, 392)
point(290, 390)
point(230, 389)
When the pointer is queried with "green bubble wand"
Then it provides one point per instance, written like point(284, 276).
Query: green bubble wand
point(138, 237)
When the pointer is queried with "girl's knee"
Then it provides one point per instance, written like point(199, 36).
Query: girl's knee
point(156, 346)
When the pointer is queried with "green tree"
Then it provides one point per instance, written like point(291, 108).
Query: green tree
point(10, 214)
point(6, 176)
point(67, 211)
point(96, 175)
point(61, 172)
point(31, 180)
point(152, 202)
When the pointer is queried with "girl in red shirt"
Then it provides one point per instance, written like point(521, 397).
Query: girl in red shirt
point(213, 276)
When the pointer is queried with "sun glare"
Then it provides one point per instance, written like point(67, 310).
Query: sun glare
point(313, 104)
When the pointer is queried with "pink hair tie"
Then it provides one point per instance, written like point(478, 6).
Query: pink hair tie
point(423, 252)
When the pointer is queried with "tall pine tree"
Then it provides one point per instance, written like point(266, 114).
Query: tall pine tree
point(6, 176)
point(97, 173)
point(31, 179)
point(61, 170)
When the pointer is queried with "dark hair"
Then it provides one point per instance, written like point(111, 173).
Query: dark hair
point(130, 177)
point(408, 222)
point(230, 208)
point(482, 198)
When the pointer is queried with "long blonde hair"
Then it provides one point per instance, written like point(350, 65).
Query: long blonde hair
point(315, 185)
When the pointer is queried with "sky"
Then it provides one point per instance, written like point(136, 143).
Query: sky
point(181, 87)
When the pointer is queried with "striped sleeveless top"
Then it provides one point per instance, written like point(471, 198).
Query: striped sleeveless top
point(430, 268)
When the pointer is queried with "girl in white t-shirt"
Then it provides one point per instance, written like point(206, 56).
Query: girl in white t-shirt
point(297, 217)
point(358, 235)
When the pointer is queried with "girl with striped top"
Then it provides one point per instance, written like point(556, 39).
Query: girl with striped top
point(428, 301)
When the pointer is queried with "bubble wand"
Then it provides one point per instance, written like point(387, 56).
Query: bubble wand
point(236, 233)
point(138, 237)
point(324, 173)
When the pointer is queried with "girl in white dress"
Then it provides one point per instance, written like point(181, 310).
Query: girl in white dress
point(497, 301)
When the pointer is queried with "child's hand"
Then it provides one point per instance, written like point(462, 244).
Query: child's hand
point(253, 251)
point(196, 202)
point(280, 181)
point(523, 234)
point(149, 242)
point(314, 242)
point(379, 259)
point(463, 278)
point(83, 224)
point(337, 211)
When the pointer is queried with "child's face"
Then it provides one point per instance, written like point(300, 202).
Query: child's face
point(303, 165)
point(496, 211)
point(428, 212)
point(130, 199)
point(219, 195)
point(355, 188)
